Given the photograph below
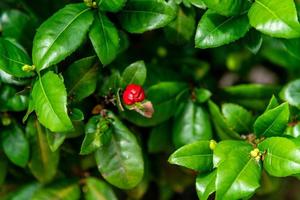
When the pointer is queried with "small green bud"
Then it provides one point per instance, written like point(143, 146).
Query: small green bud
point(28, 68)
point(212, 144)
point(6, 121)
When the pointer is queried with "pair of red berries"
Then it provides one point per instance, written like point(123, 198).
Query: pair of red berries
point(133, 94)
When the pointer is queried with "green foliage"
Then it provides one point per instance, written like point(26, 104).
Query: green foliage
point(218, 99)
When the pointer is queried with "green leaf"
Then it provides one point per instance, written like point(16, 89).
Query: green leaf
point(105, 38)
point(111, 5)
point(222, 128)
point(272, 104)
point(198, 3)
point(238, 176)
point(273, 122)
point(160, 139)
point(15, 145)
point(202, 95)
point(237, 118)
point(275, 51)
point(81, 78)
point(227, 7)
point(251, 91)
point(11, 101)
point(55, 140)
point(98, 132)
point(253, 96)
point(26, 192)
point(18, 25)
point(50, 103)
point(181, 30)
point(281, 157)
point(63, 189)
point(140, 16)
point(215, 30)
point(135, 73)
point(206, 184)
point(275, 18)
point(253, 41)
point(191, 123)
point(223, 149)
point(165, 96)
point(55, 38)
point(292, 93)
point(12, 58)
point(292, 47)
point(293, 131)
point(121, 162)
point(44, 162)
point(76, 115)
point(13, 23)
point(197, 156)
point(96, 189)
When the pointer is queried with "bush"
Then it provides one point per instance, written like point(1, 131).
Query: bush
point(117, 93)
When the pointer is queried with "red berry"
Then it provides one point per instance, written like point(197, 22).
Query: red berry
point(133, 93)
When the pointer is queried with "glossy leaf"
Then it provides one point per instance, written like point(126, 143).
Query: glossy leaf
point(26, 192)
point(63, 189)
point(253, 41)
point(191, 123)
point(293, 131)
point(97, 189)
point(81, 78)
point(215, 30)
point(18, 25)
point(253, 96)
point(275, 51)
point(223, 149)
point(251, 91)
point(140, 16)
point(292, 46)
point(237, 118)
point(292, 93)
point(19, 19)
point(275, 18)
point(198, 3)
point(105, 38)
point(44, 162)
point(15, 145)
point(50, 103)
point(273, 103)
point(238, 176)
point(98, 132)
point(160, 139)
point(222, 128)
point(120, 162)
point(202, 95)
point(227, 7)
point(273, 122)
point(55, 140)
point(197, 156)
point(55, 38)
point(11, 101)
point(135, 73)
point(181, 30)
point(12, 58)
point(281, 156)
point(206, 184)
point(111, 5)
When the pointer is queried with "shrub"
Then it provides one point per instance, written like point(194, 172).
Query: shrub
point(101, 99)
